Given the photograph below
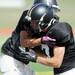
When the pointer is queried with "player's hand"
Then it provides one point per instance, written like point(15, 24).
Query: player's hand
point(32, 42)
point(31, 56)
point(28, 43)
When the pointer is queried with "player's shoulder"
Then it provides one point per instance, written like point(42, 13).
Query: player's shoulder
point(62, 26)
point(61, 29)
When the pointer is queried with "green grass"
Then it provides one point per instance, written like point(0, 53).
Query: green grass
point(40, 68)
point(44, 73)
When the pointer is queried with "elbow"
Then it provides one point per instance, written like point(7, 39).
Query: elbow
point(56, 65)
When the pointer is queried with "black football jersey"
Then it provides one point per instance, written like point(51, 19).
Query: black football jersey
point(62, 32)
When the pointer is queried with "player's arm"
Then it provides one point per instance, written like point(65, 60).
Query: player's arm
point(62, 39)
point(27, 41)
point(23, 36)
point(54, 61)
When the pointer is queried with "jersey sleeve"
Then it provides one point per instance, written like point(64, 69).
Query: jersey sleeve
point(62, 33)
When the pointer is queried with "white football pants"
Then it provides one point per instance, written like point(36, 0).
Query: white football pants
point(11, 66)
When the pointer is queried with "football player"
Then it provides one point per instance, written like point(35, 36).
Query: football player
point(52, 37)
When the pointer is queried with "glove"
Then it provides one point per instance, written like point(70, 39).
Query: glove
point(47, 40)
point(31, 55)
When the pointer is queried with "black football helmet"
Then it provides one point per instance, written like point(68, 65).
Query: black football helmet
point(52, 3)
point(43, 14)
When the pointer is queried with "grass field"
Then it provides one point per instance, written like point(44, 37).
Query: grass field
point(10, 17)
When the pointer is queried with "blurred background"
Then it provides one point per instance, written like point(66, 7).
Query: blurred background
point(11, 11)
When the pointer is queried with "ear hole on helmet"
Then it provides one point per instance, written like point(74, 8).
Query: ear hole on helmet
point(28, 18)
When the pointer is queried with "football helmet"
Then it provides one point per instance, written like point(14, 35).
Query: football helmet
point(43, 14)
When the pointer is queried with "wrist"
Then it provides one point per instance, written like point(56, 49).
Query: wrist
point(44, 39)
point(33, 56)
point(36, 42)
